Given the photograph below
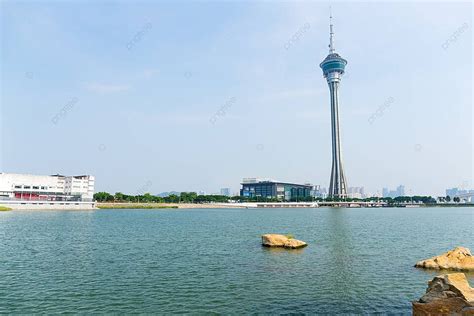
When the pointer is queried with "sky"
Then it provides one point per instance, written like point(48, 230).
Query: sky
point(196, 95)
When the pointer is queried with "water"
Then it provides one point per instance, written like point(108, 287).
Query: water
point(211, 261)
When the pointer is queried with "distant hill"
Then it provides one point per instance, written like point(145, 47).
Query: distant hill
point(165, 194)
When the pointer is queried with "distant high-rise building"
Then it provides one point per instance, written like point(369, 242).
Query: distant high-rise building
point(323, 193)
point(225, 191)
point(356, 192)
point(401, 190)
point(316, 190)
point(452, 192)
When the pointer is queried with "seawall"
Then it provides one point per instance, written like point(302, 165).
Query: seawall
point(48, 205)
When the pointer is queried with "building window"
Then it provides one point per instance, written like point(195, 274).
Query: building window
point(36, 187)
point(17, 186)
point(26, 187)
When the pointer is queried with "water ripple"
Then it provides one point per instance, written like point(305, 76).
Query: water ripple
point(211, 262)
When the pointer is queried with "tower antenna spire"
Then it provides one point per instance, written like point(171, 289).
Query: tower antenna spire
point(331, 33)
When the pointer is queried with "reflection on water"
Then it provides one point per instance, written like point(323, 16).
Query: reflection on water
point(283, 251)
point(341, 251)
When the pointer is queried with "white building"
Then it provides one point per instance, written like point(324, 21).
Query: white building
point(27, 187)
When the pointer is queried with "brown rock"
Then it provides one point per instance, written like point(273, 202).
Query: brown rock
point(448, 294)
point(276, 240)
point(295, 243)
point(459, 258)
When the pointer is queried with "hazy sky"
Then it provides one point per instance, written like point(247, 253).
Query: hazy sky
point(197, 95)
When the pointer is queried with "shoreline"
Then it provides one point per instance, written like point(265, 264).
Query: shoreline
point(122, 205)
point(164, 206)
point(138, 206)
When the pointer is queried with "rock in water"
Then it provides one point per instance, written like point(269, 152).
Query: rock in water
point(459, 258)
point(275, 240)
point(448, 294)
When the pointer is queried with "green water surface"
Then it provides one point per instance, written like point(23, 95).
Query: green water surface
point(211, 261)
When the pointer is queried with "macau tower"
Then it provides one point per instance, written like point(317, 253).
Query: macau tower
point(333, 68)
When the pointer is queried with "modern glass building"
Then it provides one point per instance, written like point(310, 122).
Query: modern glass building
point(269, 189)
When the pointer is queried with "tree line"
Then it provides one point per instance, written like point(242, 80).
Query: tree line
point(183, 197)
point(193, 197)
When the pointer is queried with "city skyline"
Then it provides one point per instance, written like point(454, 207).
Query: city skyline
point(147, 100)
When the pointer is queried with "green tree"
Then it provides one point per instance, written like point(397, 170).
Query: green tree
point(188, 197)
point(172, 198)
point(103, 197)
point(147, 197)
point(119, 197)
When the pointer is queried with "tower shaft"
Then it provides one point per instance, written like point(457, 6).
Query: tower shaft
point(337, 186)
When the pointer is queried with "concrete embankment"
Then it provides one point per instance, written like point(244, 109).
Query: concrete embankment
point(47, 205)
point(57, 205)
